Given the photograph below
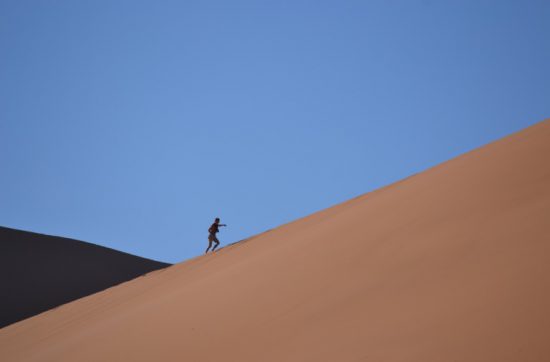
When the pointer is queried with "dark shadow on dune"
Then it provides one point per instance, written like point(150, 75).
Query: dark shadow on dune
point(41, 272)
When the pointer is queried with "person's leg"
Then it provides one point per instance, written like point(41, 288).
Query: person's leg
point(210, 239)
point(215, 246)
point(217, 243)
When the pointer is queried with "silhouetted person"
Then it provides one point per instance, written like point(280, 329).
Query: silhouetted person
point(213, 229)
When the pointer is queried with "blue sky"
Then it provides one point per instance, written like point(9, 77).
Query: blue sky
point(132, 124)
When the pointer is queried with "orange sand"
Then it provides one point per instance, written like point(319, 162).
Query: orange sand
point(452, 264)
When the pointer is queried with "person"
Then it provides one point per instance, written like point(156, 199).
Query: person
point(213, 229)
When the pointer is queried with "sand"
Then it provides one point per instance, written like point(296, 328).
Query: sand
point(451, 264)
point(40, 272)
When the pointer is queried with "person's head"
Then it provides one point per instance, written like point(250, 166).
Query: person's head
point(217, 220)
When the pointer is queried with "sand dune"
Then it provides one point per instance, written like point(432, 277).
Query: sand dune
point(40, 272)
point(448, 265)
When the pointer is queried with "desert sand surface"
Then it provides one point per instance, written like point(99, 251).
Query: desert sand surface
point(40, 272)
point(452, 264)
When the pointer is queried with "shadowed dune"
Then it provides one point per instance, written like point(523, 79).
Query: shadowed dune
point(40, 272)
point(451, 264)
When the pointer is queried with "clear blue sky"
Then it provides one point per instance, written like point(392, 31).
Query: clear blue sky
point(132, 124)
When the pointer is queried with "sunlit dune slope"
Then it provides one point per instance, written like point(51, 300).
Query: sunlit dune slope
point(448, 265)
point(40, 272)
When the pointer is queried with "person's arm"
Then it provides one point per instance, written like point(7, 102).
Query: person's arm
point(222, 225)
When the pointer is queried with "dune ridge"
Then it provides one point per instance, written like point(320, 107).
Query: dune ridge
point(448, 265)
point(40, 272)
